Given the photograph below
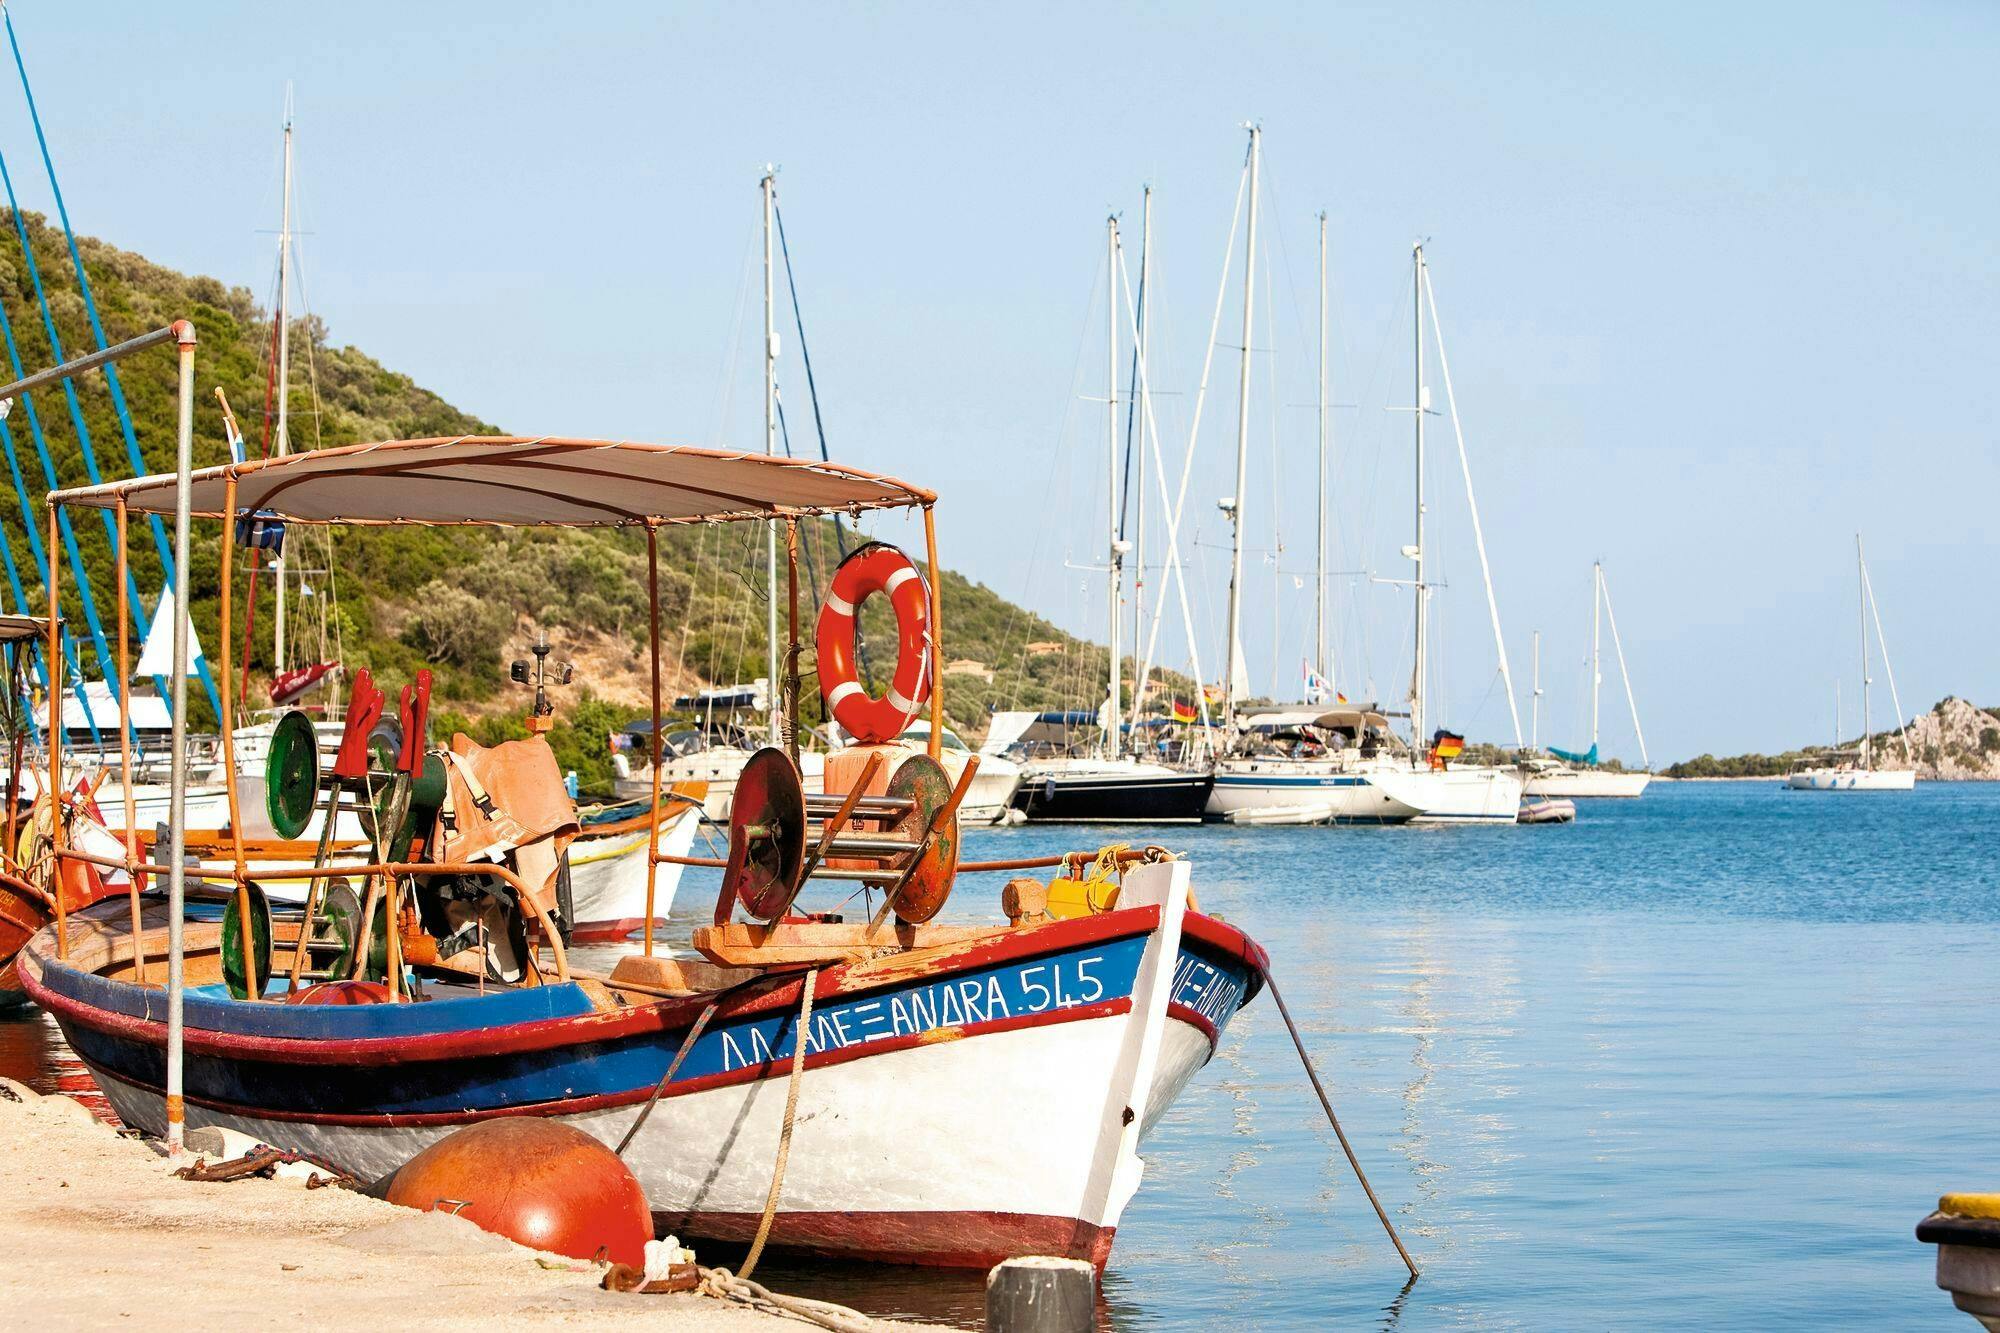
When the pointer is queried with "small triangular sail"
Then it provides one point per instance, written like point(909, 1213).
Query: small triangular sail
point(156, 657)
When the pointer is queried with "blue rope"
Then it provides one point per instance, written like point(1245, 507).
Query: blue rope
point(132, 454)
point(1132, 414)
point(21, 600)
point(82, 579)
point(30, 526)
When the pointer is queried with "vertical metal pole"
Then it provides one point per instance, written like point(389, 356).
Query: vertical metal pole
point(17, 657)
point(769, 186)
point(1423, 591)
point(1861, 619)
point(1242, 454)
point(792, 639)
point(1320, 667)
point(54, 793)
point(1144, 409)
point(125, 744)
point(1535, 716)
point(177, 759)
point(228, 566)
point(1596, 666)
point(1114, 576)
point(282, 440)
point(653, 752)
point(935, 745)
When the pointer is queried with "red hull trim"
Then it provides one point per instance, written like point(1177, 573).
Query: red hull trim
point(966, 1239)
point(551, 1033)
point(611, 932)
point(1198, 1022)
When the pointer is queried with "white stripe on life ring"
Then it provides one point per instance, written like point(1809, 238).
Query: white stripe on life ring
point(844, 691)
point(898, 579)
point(839, 605)
point(896, 701)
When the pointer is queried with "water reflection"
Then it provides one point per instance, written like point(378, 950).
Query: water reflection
point(1578, 1064)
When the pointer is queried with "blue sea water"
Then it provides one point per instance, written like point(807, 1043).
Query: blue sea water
point(1698, 1060)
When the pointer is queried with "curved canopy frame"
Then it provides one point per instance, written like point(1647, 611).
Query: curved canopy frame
point(514, 481)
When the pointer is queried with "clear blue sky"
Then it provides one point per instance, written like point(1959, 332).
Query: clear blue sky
point(1718, 284)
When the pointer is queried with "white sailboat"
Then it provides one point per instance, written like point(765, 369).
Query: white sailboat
point(1302, 765)
point(1855, 770)
point(1561, 772)
point(1060, 783)
point(1424, 777)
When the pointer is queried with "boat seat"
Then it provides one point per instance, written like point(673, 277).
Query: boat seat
point(690, 976)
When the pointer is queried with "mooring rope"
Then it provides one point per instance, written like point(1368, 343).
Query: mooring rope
point(784, 1135)
point(724, 1285)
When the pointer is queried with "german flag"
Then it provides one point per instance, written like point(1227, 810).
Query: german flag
point(1185, 712)
point(1447, 744)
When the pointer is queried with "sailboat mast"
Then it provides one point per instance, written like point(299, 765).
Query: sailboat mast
point(1535, 700)
point(1596, 643)
point(1234, 665)
point(1320, 663)
point(1114, 565)
point(281, 437)
point(1861, 575)
point(1422, 589)
point(768, 187)
point(1143, 408)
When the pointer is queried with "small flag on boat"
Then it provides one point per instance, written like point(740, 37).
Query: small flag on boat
point(1316, 686)
point(1338, 697)
point(1447, 744)
point(1213, 693)
point(261, 531)
point(1185, 712)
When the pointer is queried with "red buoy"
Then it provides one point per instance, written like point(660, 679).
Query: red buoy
point(536, 1181)
point(341, 992)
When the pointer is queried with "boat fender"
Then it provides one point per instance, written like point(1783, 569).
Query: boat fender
point(538, 1181)
point(876, 567)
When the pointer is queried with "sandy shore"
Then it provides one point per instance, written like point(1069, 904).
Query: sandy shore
point(103, 1236)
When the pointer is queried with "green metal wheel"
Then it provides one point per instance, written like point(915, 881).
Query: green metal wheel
point(291, 774)
point(233, 969)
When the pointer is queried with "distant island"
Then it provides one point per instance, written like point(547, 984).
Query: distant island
point(1954, 742)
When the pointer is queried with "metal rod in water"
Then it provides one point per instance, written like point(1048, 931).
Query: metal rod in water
point(1334, 1120)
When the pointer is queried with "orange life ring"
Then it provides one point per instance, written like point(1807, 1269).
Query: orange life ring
point(871, 569)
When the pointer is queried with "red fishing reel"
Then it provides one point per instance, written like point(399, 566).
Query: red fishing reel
point(903, 842)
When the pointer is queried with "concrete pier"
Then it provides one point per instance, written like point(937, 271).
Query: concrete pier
point(100, 1232)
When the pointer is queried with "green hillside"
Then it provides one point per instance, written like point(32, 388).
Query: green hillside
point(462, 602)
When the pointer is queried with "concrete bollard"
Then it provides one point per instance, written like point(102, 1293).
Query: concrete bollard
point(1039, 1294)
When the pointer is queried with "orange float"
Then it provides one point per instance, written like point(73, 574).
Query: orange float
point(536, 1181)
point(867, 570)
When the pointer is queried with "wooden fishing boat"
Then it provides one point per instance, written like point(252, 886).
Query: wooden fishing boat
point(889, 1087)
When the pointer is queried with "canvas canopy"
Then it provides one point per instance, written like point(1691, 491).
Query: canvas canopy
point(15, 628)
point(1352, 719)
point(515, 481)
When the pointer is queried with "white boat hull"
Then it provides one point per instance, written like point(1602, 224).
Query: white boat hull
point(1464, 794)
point(607, 880)
point(719, 768)
point(1274, 792)
point(1018, 1133)
point(1580, 783)
point(1853, 779)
